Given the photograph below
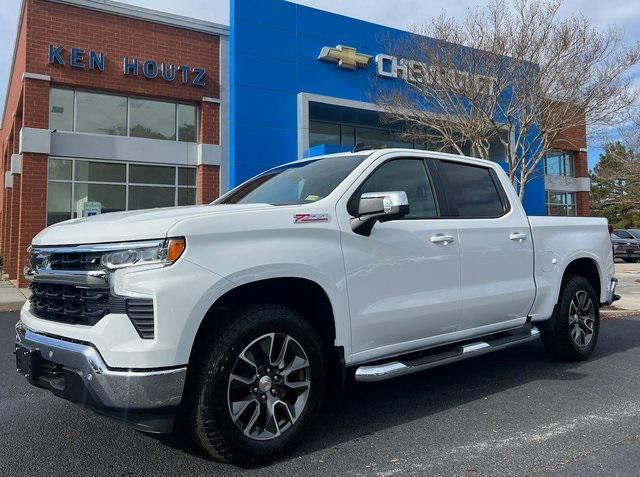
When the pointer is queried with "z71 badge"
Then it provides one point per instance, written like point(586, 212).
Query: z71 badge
point(307, 218)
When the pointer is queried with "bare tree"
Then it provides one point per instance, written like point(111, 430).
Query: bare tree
point(522, 78)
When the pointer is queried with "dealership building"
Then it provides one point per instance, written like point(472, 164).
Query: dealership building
point(112, 107)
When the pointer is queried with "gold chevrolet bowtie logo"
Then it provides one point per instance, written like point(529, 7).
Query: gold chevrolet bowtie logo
point(347, 58)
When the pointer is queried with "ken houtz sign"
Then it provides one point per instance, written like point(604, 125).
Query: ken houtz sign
point(150, 69)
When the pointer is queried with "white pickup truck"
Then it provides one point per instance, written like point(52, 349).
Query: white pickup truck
point(235, 316)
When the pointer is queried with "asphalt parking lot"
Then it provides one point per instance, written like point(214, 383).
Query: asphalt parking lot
point(516, 412)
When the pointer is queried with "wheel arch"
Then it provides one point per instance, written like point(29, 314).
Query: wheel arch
point(301, 294)
point(587, 268)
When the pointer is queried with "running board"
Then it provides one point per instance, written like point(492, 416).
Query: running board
point(392, 369)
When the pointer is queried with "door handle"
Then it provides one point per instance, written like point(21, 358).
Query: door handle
point(518, 236)
point(441, 238)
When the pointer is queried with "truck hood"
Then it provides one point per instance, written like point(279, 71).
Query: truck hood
point(133, 225)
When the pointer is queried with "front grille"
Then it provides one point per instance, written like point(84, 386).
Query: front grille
point(84, 261)
point(70, 304)
point(87, 306)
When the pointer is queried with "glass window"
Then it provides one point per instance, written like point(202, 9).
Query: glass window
point(58, 202)
point(139, 174)
point(408, 175)
point(148, 197)
point(497, 150)
point(623, 234)
point(472, 189)
point(186, 176)
point(561, 204)
point(152, 119)
point(348, 137)
point(60, 169)
point(323, 133)
point(111, 197)
point(298, 183)
point(559, 163)
point(101, 113)
point(381, 138)
point(187, 122)
point(61, 109)
point(186, 196)
point(100, 171)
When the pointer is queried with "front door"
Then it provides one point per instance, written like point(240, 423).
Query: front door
point(403, 280)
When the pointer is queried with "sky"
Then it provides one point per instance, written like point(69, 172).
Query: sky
point(402, 14)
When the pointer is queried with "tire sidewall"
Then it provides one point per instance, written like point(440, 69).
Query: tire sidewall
point(573, 286)
point(213, 402)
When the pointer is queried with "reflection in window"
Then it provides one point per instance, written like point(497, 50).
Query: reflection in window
point(559, 163)
point(152, 119)
point(106, 183)
point(140, 174)
point(149, 197)
point(187, 122)
point(381, 138)
point(323, 133)
point(101, 113)
point(561, 204)
point(96, 171)
point(61, 109)
point(111, 197)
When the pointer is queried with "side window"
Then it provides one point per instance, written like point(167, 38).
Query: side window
point(408, 175)
point(473, 190)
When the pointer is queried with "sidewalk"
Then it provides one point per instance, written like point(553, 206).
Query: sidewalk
point(11, 298)
point(628, 275)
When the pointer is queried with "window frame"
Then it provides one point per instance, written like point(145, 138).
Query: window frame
point(353, 200)
point(573, 204)
point(564, 155)
point(452, 205)
point(176, 186)
point(127, 97)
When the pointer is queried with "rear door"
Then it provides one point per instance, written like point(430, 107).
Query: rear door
point(497, 277)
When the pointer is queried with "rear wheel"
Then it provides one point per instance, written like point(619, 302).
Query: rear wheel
point(257, 387)
point(572, 333)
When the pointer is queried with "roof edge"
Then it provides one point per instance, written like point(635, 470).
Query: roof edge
point(147, 14)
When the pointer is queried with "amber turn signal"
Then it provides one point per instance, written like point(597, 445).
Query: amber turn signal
point(175, 248)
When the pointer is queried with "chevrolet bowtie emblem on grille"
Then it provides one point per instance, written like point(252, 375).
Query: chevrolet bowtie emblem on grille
point(347, 58)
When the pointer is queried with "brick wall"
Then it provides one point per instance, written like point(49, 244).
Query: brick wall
point(207, 184)
point(118, 37)
point(22, 208)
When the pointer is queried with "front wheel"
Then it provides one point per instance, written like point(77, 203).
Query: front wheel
point(572, 333)
point(257, 386)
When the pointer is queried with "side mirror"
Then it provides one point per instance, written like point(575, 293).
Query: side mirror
point(379, 207)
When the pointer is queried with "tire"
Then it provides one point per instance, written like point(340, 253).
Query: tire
point(559, 334)
point(213, 393)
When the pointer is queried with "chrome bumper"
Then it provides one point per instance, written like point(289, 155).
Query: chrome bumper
point(612, 292)
point(146, 399)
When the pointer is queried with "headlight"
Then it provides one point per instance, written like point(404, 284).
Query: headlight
point(144, 253)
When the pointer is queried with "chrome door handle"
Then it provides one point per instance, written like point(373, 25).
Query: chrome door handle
point(440, 238)
point(518, 236)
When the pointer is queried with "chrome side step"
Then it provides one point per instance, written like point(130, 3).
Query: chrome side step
point(392, 369)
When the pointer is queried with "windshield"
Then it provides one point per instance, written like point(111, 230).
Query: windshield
point(298, 183)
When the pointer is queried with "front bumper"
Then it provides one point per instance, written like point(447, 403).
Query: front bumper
point(145, 399)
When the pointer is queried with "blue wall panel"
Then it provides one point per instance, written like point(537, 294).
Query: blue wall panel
point(274, 50)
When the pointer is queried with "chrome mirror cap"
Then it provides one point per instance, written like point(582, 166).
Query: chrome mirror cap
point(379, 207)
